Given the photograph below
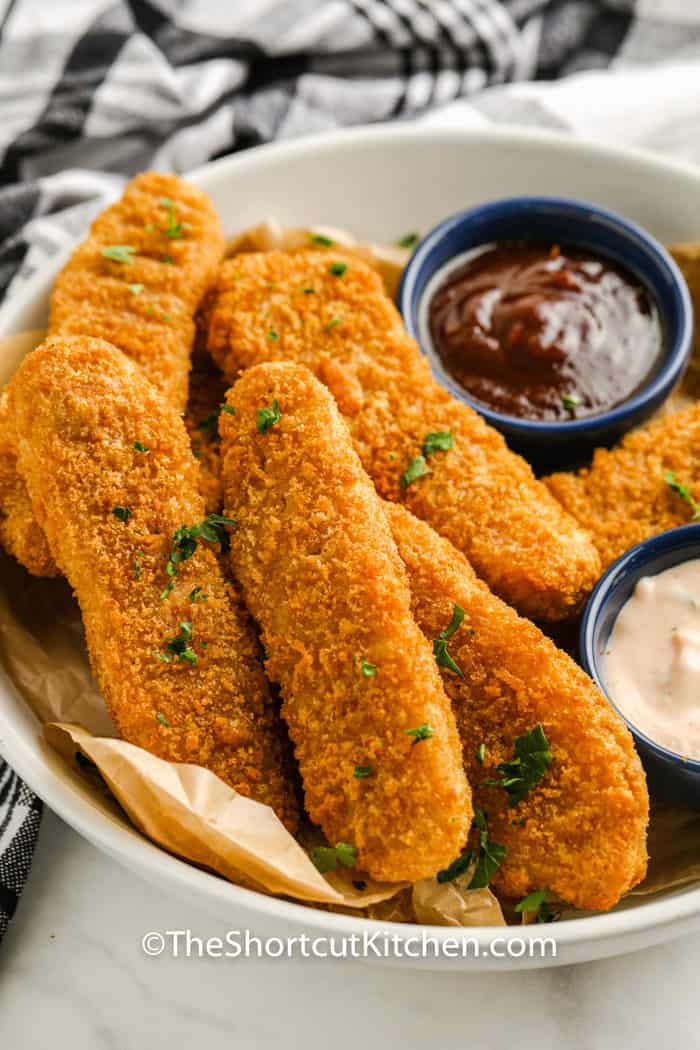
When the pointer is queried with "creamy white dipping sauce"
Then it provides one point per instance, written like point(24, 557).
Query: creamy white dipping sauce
point(652, 664)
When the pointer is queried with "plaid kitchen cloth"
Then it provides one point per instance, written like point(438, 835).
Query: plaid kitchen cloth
point(92, 91)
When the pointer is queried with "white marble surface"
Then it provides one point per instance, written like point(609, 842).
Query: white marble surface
point(73, 976)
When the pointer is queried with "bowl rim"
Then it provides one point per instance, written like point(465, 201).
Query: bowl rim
point(677, 539)
point(654, 920)
point(655, 389)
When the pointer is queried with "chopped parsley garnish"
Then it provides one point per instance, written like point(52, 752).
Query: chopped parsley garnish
point(168, 259)
point(359, 884)
point(174, 230)
point(320, 238)
point(333, 323)
point(684, 492)
point(267, 417)
point(421, 732)
point(121, 253)
point(179, 648)
point(272, 335)
point(209, 426)
point(162, 719)
point(327, 858)
point(186, 538)
point(228, 409)
point(135, 289)
point(122, 513)
point(529, 764)
point(137, 565)
point(166, 318)
point(481, 753)
point(409, 240)
point(197, 594)
point(362, 771)
point(140, 447)
point(533, 901)
point(417, 468)
point(368, 670)
point(486, 858)
point(442, 657)
point(439, 441)
point(570, 402)
point(337, 268)
point(309, 291)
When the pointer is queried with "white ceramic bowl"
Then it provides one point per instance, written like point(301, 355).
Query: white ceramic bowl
point(378, 183)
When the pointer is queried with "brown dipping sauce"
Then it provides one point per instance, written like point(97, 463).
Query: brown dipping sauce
point(545, 333)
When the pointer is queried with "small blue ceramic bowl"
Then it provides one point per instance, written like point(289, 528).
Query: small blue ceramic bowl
point(559, 220)
point(673, 777)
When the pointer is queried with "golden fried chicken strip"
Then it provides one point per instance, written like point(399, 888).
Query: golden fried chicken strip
point(163, 242)
point(306, 308)
point(581, 832)
point(625, 496)
point(111, 476)
point(370, 722)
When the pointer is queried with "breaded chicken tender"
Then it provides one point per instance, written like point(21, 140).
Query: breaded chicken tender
point(328, 311)
point(112, 479)
point(631, 492)
point(370, 722)
point(137, 281)
point(581, 831)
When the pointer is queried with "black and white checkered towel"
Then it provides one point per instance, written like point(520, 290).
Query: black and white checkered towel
point(92, 91)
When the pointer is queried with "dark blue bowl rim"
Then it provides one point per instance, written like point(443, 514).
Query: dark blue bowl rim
point(658, 387)
point(678, 539)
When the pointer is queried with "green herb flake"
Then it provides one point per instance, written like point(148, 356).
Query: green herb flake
point(121, 253)
point(162, 719)
point(179, 647)
point(359, 884)
point(438, 441)
point(122, 513)
point(168, 260)
point(197, 594)
point(337, 268)
point(361, 772)
point(368, 670)
point(320, 238)
point(140, 447)
point(309, 291)
point(531, 760)
point(327, 858)
point(442, 657)
point(209, 426)
point(684, 492)
point(417, 468)
point(272, 335)
point(187, 537)
point(481, 753)
point(174, 230)
point(267, 417)
point(489, 855)
point(135, 289)
point(228, 409)
point(570, 403)
point(137, 565)
point(421, 732)
point(409, 240)
point(533, 902)
point(333, 323)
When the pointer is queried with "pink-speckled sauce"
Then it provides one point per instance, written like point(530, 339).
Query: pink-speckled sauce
point(652, 662)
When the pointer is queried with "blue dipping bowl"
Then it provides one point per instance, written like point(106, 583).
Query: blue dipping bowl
point(672, 776)
point(557, 220)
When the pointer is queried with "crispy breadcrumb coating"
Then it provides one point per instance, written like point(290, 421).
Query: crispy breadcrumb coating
point(78, 408)
point(321, 575)
point(145, 305)
point(581, 832)
point(624, 496)
point(306, 308)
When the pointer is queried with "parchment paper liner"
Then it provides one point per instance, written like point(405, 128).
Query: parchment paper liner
point(186, 809)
